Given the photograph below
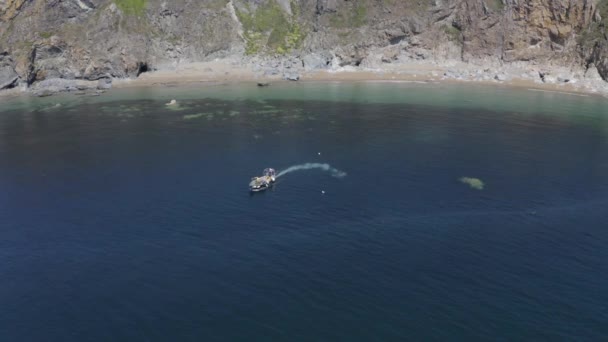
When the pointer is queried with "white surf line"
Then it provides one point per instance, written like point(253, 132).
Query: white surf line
point(396, 81)
point(558, 92)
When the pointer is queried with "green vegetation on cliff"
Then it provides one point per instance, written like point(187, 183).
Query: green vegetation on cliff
point(270, 27)
point(45, 35)
point(135, 7)
point(215, 5)
point(496, 5)
point(355, 18)
point(453, 33)
point(598, 30)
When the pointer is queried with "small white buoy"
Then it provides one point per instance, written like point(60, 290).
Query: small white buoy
point(319, 153)
point(173, 102)
point(323, 192)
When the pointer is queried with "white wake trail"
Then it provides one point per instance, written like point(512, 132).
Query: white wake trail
point(309, 166)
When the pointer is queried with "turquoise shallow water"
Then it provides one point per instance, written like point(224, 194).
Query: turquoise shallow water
point(123, 219)
point(450, 95)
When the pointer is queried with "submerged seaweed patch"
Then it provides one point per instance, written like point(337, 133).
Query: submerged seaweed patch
point(175, 107)
point(51, 108)
point(474, 183)
point(267, 111)
point(192, 116)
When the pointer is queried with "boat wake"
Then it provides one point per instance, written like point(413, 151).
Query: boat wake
point(309, 166)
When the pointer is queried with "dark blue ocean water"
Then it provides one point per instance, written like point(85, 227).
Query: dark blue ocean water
point(124, 220)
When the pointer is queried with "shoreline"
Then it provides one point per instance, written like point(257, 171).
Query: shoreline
point(232, 72)
point(224, 72)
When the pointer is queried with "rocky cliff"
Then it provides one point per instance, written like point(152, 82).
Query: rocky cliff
point(98, 39)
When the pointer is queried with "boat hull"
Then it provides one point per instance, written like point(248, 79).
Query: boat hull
point(258, 189)
point(264, 182)
point(261, 187)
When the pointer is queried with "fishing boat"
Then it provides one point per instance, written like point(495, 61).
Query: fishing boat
point(264, 182)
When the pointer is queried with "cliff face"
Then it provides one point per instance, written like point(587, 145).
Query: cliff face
point(94, 39)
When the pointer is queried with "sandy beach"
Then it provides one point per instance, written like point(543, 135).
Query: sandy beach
point(236, 71)
point(233, 72)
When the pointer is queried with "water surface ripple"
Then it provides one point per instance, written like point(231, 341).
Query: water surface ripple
point(122, 219)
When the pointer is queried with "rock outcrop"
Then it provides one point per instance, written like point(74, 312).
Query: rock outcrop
point(93, 40)
point(8, 75)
